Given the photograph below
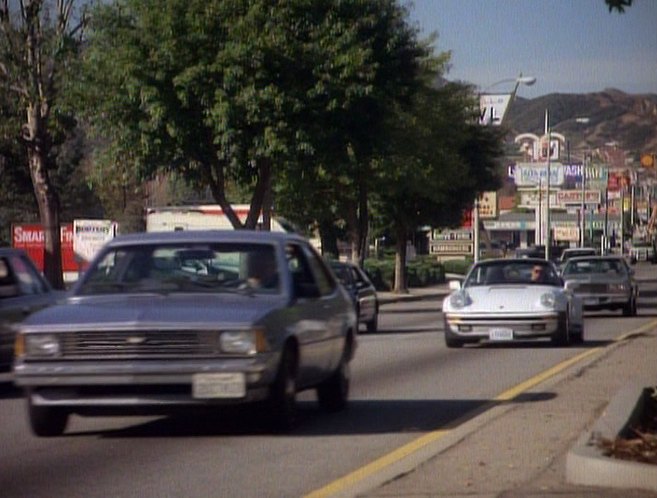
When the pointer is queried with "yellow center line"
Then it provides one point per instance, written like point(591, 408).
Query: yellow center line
point(408, 449)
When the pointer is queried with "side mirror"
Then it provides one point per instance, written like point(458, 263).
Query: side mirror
point(454, 285)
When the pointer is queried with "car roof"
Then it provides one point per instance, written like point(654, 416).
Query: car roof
point(579, 249)
point(613, 257)
point(540, 261)
point(204, 236)
point(5, 251)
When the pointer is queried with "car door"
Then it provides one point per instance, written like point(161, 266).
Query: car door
point(313, 309)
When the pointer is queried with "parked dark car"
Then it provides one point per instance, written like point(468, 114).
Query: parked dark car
point(23, 290)
point(190, 319)
point(362, 292)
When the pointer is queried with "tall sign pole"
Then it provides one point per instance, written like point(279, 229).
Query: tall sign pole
point(475, 229)
point(548, 241)
point(582, 211)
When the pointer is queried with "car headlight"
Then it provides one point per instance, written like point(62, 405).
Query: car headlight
point(458, 300)
point(548, 300)
point(44, 345)
point(247, 342)
point(617, 287)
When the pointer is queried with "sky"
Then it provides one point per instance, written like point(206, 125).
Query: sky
point(569, 46)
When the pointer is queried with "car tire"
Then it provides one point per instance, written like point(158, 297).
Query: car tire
point(46, 421)
point(451, 339)
point(578, 336)
point(333, 393)
point(562, 336)
point(373, 325)
point(630, 307)
point(282, 400)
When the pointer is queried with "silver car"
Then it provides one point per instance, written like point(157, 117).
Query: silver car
point(603, 283)
point(187, 319)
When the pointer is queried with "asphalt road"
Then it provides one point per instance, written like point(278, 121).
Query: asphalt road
point(405, 384)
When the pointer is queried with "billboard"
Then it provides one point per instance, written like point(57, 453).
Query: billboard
point(30, 238)
point(492, 108)
point(89, 236)
point(534, 174)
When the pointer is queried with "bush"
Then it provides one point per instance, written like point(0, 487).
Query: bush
point(421, 272)
point(459, 266)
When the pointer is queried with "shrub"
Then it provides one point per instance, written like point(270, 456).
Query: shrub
point(421, 272)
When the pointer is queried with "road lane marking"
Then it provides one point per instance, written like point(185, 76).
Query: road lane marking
point(342, 484)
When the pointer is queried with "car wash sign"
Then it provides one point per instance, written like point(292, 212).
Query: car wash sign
point(535, 174)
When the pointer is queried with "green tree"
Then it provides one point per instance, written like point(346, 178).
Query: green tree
point(39, 43)
point(440, 158)
point(279, 97)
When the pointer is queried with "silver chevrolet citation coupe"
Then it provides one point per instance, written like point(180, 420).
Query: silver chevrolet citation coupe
point(193, 318)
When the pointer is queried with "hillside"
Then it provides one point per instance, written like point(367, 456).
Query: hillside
point(613, 116)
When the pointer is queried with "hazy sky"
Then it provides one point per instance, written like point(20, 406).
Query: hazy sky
point(570, 46)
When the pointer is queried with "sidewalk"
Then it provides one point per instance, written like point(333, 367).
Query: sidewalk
point(524, 447)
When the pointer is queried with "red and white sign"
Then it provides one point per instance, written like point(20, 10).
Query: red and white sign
point(30, 238)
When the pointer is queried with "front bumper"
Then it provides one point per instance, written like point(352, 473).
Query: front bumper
point(486, 326)
point(139, 383)
point(604, 301)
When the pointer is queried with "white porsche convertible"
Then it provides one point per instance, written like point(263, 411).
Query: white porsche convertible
point(506, 300)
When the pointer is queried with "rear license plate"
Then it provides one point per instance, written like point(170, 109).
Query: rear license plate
point(500, 334)
point(218, 385)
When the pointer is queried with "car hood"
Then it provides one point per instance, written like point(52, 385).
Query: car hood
point(505, 298)
point(169, 310)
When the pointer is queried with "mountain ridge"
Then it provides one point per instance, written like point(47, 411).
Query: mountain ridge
point(591, 121)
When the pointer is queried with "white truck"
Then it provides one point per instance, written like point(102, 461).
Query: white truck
point(198, 217)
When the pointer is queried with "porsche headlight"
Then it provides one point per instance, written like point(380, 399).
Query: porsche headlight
point(44, 345)
point(247, 342)
point(548, 300)
point(458, 300)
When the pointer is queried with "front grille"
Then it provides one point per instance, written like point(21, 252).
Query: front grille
point(139, 344)
point(592, 288)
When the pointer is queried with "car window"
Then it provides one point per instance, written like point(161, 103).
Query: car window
point(27, 278)
point(325, 282)
point(218, 267)
point(514, 272)
point(8, 285)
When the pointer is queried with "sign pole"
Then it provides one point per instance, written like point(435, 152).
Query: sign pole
point(475, 229)
point(583, 207)
point(547, 200)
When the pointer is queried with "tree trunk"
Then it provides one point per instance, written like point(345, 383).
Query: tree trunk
point(363, 224)
point(48, 203)
point(400, 261)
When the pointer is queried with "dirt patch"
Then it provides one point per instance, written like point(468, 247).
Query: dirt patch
point(639, 444)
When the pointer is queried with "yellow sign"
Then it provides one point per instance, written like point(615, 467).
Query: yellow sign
point(488, 205)
point(648, 160)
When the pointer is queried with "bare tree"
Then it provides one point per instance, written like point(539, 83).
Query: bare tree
point(39, 40)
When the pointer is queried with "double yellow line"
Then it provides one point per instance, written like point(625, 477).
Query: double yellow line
point(340, 485)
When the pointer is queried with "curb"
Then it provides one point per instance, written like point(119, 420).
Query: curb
point(585, 462)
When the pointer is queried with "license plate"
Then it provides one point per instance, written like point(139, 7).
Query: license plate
point(500, 334)
point(218, 385)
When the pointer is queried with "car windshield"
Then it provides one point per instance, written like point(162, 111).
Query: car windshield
point(513, 272)
point(590, 266)
point(568, 254)
point(187, 268)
